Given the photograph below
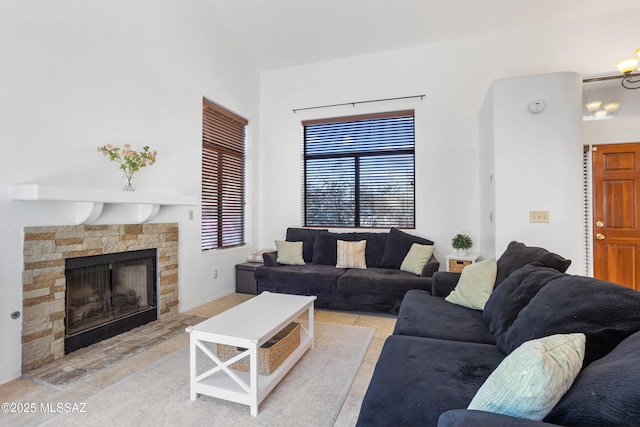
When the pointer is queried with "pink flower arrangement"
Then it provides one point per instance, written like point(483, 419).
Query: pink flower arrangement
point(130, 160)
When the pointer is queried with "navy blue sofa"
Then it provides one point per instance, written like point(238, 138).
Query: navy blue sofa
point(441, 353)
point(378, 288)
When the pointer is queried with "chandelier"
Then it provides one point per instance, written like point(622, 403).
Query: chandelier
point(627, 67)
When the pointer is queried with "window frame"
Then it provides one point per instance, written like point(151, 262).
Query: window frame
point(357, 156)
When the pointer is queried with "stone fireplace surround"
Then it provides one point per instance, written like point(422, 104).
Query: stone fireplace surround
point(43, 279)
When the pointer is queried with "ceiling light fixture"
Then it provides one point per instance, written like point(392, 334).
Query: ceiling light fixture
point(611, 107)
point(598, 111)
point(627, 67)
point(593, 106)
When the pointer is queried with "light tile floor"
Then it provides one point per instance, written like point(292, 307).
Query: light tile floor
point(25, 390)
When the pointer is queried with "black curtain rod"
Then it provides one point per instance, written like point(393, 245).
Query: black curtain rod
point(295, 110)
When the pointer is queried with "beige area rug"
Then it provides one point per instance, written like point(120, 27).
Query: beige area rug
point(90, 360)
point(311, 394)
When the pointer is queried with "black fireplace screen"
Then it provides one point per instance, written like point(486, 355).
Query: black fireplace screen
point(107, 294)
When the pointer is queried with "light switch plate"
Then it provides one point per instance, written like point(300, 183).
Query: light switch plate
point(538, 216)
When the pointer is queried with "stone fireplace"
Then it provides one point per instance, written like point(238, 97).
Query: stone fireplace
point(46, 250)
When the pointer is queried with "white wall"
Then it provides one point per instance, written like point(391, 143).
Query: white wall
point(456, 77)
point(613, 131)
point(79, 74)
point(486, 178)
point(538, 164)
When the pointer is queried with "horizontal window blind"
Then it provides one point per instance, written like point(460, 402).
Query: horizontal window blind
point(223, 177)
point(359, 171)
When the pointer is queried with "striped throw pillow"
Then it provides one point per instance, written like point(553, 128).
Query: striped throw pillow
point(351, 254)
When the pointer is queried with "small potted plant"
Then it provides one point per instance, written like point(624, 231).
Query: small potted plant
point(461, 242)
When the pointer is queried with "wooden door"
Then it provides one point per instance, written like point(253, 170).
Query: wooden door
point(616, 219)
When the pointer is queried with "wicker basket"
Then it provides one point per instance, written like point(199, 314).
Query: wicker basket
point(270, 355)
point(458, 265)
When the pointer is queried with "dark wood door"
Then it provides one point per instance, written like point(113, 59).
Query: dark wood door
point(616, 221)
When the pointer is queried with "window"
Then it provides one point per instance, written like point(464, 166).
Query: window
point(223, 177)
point(359, 171)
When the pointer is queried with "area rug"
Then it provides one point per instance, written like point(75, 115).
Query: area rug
point(311, 394)
point(90, 360)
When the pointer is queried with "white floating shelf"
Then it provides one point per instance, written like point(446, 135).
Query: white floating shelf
point(90, 202)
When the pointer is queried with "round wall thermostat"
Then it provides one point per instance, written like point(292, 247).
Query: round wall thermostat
point(537, 105)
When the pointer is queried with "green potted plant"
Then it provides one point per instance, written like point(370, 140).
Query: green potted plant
point(461, 242)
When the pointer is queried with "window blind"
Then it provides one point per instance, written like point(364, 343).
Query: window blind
point(359, 171)
point(223, 177)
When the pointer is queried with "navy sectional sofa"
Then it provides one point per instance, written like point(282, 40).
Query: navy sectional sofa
point(440, 353)
point(378, 288)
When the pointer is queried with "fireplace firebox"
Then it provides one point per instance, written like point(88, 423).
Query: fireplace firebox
point(107, 295)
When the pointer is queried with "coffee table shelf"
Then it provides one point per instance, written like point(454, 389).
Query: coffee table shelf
point(222, 386)
point(248, 325)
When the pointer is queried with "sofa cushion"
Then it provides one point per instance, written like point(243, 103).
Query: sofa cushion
point(417, 258)
point(606, 392)
point(381, 280)
point(375, 247)
point(605, 312)
point(423, 315)
point(325, 248)
point(326, 244)
point(475, 285)
point(444, 282)
point(513, 294)
point(431, 267)
point(320, 276)
point(531, 380)
point(397, 246)
point(305, 235)
point(416, 379)
point(289, 253)
point(518, 255)
point(351, 254)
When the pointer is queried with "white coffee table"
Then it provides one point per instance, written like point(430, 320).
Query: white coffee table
point(248, 325)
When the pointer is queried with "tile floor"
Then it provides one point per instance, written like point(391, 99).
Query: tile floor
point(24, 390)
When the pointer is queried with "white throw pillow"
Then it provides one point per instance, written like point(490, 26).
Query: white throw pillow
point(533, 378)
point(257, 256)
point(289, 253)
point(417, 258)
point(475, 285)
point(351, 254)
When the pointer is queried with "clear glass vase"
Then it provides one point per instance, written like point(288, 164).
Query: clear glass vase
point(128, 180)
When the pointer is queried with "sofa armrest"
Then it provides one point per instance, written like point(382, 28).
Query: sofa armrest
point(430, 267)
point(470, 418)
point(270, 258)
point(444, 282)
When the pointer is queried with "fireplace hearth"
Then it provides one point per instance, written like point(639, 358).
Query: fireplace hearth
point(108, 295)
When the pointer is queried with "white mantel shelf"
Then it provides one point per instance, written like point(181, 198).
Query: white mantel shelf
point(90, 202)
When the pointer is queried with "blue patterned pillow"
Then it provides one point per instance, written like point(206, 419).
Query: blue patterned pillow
point(530, 381)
